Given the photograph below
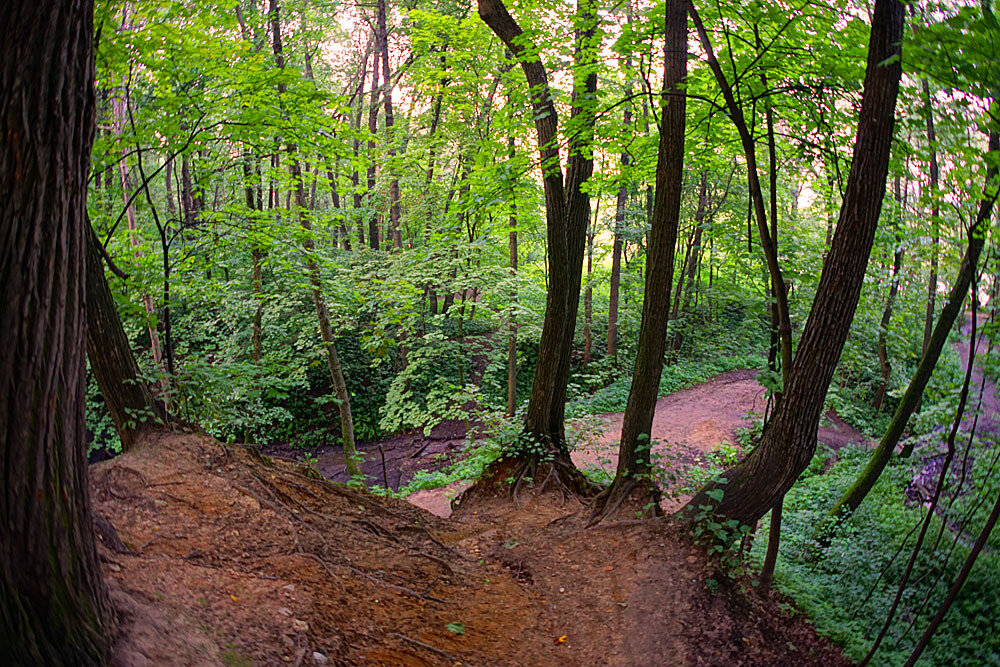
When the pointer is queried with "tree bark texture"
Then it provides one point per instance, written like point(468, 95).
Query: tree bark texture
point(127, 396)
point(54, 608)
point(633, 452)
point(789, 440)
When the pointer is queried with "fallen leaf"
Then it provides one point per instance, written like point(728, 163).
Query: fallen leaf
point(235, 599)
point(608, 568)
point(561, 639)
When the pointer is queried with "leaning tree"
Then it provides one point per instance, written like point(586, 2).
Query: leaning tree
point(54, 609)
point(788, 443)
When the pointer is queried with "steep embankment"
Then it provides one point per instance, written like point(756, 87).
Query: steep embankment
point(228, 558)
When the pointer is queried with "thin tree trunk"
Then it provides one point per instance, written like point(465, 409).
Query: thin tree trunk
point(932, 278)
point(620, 207)
point(315, 281)
point(156, 349)
point(54, 607)
point(373, 227)
point(897, 266)
point(854, 496)
point(634, 450)
point(588, 296)
point(512, 318)
point(383, 39)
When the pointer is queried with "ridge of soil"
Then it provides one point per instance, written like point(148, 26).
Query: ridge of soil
point(227, 557)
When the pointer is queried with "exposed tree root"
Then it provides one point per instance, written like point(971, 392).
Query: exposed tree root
point(515, 471)
point(644, 495)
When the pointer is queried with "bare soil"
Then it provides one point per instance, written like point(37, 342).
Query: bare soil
point(230, 558)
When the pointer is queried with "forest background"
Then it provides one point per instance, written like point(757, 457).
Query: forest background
point(306, 206)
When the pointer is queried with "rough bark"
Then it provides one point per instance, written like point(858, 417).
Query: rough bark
point(633, 451)
point(567, 210)
point(127, 396)
point(54, 608)
point(789, 440)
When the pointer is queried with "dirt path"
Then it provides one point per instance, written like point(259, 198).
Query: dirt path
point(687, 425)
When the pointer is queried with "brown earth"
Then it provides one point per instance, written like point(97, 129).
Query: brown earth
point(230, 558)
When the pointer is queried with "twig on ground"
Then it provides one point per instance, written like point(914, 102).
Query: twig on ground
point(421, 644)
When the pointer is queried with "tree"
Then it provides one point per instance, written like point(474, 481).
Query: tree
point(633, 451)
point(787, 445)
point(312, 269)
point(856, 494)
point(567, 212)
point(54, 608)
point(128, 397)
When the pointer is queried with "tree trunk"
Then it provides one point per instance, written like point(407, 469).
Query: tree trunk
point(932, 278)
point(383, 39)
point(54, 608)
point(359, 94)
point(854, 496)
point(512, 331)
point(897, 266)
point(567, 210)
point(588, 296)
point(373, 230)
point(127, 396)
point(312, 269)
point(119, 109)
point(789, 440)
point(633, 452)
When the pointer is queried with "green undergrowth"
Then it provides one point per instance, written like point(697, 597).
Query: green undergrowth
point(847, 589)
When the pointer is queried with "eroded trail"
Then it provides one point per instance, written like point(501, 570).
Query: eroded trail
point(228, 558)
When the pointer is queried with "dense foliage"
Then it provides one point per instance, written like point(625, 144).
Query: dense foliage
point(227, 161)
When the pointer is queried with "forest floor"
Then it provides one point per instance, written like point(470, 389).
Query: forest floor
point(230, 558)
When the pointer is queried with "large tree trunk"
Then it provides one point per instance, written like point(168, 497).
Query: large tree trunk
point(633, 452)
point(854, 496)
point(127, 396)
point(54, 608)
point(789, 440)
point(567, 210)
